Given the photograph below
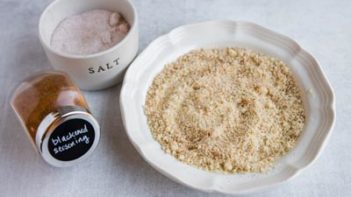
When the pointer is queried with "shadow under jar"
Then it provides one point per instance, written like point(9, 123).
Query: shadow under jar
point(56, 117)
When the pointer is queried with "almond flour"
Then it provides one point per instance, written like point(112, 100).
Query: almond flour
point(230, 110)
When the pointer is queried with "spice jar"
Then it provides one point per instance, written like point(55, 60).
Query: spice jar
point(56, 118)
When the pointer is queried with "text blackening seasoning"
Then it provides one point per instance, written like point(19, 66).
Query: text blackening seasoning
point(71, 139)
point(56, 116)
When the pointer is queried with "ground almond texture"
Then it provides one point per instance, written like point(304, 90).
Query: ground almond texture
point(226, 110)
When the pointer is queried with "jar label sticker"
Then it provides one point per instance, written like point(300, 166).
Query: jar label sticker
point(71, 139)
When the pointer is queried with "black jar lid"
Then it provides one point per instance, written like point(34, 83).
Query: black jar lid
point(67, 136)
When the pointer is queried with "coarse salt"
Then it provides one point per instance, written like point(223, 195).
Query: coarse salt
point(89, 32)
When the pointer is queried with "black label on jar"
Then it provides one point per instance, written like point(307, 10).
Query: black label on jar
point(71, 139)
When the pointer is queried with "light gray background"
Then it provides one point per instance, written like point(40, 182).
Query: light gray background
point(115, 169)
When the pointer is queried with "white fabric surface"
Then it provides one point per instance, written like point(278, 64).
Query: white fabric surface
point(115, 169)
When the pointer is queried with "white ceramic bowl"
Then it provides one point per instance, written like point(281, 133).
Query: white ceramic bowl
point(317, 95)
point(99, 70)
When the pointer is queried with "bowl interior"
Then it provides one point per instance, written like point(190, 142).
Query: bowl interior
point(316, 92)
point(61, 9)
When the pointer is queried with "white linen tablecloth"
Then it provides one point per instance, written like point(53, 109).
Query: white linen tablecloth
point(115, 169)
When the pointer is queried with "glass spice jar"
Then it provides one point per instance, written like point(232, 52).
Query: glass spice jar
point(56, 117)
